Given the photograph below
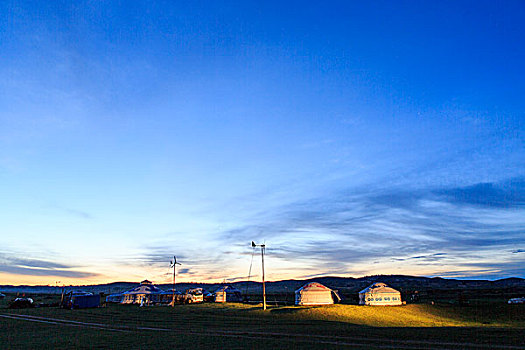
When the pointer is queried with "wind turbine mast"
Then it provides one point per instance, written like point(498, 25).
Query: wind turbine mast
point(174, 264)
point(263, 249)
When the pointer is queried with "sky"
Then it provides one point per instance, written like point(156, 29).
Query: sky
point(353, 138)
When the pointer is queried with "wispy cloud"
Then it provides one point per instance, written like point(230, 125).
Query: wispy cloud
point(417, 226)
point(35, 267)
point(45, 272)
point(73, 212)
point(487, 270)
point(429, 257)
point(444, 231)
point(35, 263)
point(79, 213)
point(509, 194)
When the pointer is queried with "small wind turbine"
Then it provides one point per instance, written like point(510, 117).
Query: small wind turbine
point(263, 249)
point(174, 264)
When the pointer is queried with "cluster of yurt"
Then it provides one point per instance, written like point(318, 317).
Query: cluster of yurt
point(379, 294)
point(147, 293)
point(314, 293)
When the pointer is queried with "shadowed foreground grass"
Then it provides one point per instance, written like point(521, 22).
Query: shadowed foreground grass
point(239, 326)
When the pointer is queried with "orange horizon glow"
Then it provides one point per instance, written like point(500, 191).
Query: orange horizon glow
point(18, 280)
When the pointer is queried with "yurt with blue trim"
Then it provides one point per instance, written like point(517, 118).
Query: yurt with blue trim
point(379, 294)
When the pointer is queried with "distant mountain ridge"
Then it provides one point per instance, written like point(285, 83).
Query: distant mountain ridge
point(347, 284)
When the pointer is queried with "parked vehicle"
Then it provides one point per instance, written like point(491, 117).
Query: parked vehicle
point(21, 303)
point(516, 301)
point(194, 296)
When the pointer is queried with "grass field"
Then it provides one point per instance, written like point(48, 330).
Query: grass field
point(237, 326)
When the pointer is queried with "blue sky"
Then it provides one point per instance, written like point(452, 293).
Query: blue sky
point(353, 138)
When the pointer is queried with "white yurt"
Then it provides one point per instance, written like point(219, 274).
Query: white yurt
point(227, 294)
point(145, 293)
point(314, 293)
point(379, 294)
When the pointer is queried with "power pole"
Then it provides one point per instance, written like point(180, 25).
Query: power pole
point(263, 249)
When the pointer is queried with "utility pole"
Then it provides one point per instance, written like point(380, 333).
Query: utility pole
point(174, 264)
point(263, 249)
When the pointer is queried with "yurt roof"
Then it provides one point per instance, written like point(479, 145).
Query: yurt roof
point(313, 287)
point(145, 289)
point(379, 287)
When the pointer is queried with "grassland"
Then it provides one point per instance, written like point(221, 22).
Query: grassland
point(237, 326)
point(415, 315)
